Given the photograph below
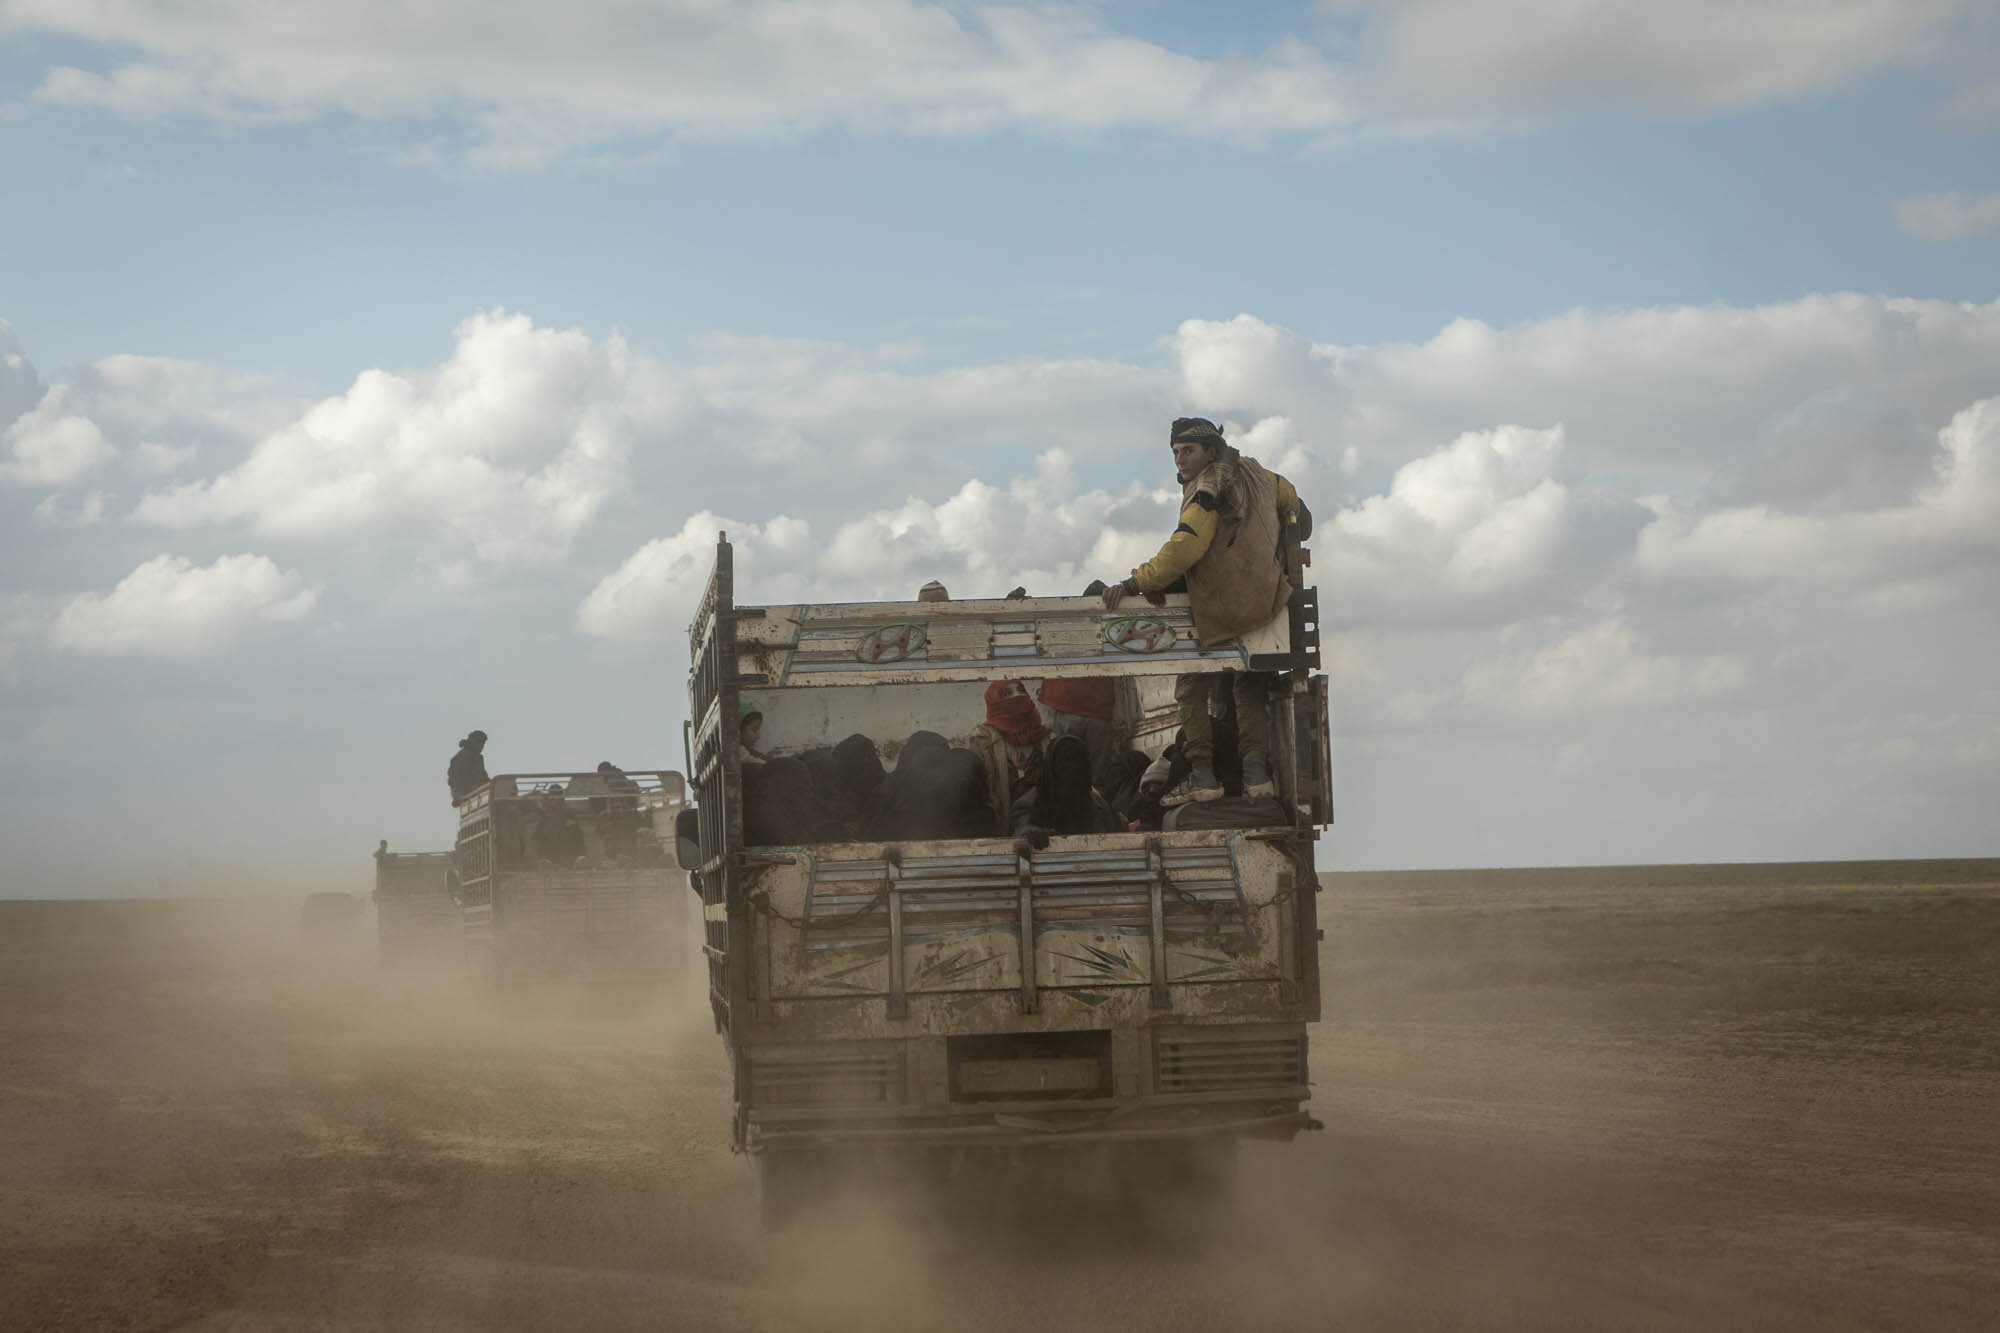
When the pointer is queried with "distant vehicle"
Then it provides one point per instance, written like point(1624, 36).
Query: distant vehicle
point(416, 917)
point(331, 918)
point(1143, 992)
point(570, 878)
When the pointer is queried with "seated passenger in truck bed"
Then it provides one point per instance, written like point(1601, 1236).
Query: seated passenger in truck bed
point(936, 791)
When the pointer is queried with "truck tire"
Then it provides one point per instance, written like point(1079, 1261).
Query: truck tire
point(1212, 1167)
point(1191, 1172)
point(788, 1185)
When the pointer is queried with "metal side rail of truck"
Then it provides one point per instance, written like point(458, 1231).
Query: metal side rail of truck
point(567, 878)
point(1148, 992)
point(416, 911)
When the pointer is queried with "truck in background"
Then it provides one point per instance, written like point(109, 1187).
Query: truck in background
point(570, 878)
point(1147, 992)
point(417, 919)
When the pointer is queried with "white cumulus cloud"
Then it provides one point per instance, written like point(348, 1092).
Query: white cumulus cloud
point(522, 83)
point(513, 445)
point(1676, 391)
point(655, 591)
point(171, 607)
point(1597, 669)
point(529, 83)
point(1818, 440)
point(1037, 531)
point(50, 446)
point(1958, 510)
point(519, 442)
point(154, 413)
point(86, 510)
point(1649, 547)
point(1459, 530)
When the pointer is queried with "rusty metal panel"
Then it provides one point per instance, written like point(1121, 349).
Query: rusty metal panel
point(1131, 1076)
point(867, 643)
point(1024, 876)
point(1029, 1077)
point(952, 923)
point(829, 1074)
point(1320, 737)
point(1158, 881)
point(411, 874)
point(831, 1016)
point(713, 681)
point(1227, 1059)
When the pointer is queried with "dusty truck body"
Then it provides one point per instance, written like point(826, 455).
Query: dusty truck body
point(1117, 988)
point(416, 917)
point(568, 878)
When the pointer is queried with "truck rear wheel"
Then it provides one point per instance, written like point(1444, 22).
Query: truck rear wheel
point(789, 1183)
point(1199, 1172)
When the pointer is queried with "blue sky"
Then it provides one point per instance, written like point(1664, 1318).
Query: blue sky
point(863, 268)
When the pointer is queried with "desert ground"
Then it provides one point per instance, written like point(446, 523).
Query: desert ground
point(1671, 1097)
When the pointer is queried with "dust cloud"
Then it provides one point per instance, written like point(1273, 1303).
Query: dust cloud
point(1656, 1098)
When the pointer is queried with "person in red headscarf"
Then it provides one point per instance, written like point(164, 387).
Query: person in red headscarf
point(1010, 743)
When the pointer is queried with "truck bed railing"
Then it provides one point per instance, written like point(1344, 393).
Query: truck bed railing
point(864, 907)
point(500, 824)
point(878, 643)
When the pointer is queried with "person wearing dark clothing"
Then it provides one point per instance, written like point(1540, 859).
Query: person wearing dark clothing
point(623, 789)
point(860, 776)
point(1064, 802)
point(1146, 811)
point(1121, 786)
point(834, 807)
point(860, 766)
point(919, 744)
point(558, 840)
point(779, 807)
point(935, 792)
point(617, 813)
point(960, 776)
point(467, 773)
point(1084, 707)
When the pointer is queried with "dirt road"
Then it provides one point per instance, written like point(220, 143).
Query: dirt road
point(1693, 1098)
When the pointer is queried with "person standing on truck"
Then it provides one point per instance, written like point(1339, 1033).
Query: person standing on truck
point(467, 772)
point(1229, 546)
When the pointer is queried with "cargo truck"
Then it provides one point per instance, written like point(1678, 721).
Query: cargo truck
point(570, 878)
point(1145, 992)
point(416, 915)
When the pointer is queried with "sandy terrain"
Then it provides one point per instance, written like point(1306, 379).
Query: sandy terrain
point(1670, 1098)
